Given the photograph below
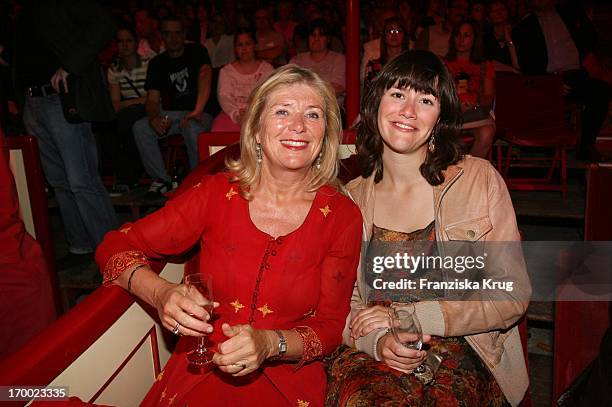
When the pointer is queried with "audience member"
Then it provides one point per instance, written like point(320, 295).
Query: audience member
point(560, 39)
point(150, 42)
point(220, 46)
point(393, 42)
point(475, 84)
point(435, 38)
point(178, 87)
point(371, 49)
point(270, 44)
point(53, 58)
point(285, 24)
point(330, 65)
point(237, 80)
point(126, 80)
point(498, 43)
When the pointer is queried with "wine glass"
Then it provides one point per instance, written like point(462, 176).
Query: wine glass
point(406, 329)
point(200, 289)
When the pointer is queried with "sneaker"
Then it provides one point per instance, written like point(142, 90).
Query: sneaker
point(159, 189)
point(119, 190)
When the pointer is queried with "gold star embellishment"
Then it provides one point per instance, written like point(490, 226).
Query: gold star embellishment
point(159, 376)
point(237, 305)
point(172, 399)
point(302, 403)
point(265, 310)
point(230, 194)
point(163, 395)
point(325, 211)
point(197, 185)
point(125, 230)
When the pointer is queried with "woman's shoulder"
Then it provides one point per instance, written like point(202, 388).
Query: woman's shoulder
point(337, 197)
point(479, 168)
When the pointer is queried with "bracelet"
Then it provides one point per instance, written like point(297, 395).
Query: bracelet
point(129, 284)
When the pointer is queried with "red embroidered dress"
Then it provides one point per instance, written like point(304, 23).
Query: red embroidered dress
point(300, 281)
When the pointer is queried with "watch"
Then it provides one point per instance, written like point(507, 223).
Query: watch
point(282, 345)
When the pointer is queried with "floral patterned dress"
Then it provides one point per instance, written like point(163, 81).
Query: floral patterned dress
point(357, 380)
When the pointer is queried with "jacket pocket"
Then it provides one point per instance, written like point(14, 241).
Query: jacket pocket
point(470, 230)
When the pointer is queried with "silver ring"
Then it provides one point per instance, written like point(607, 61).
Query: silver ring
point(242, 366)
point(176, 329)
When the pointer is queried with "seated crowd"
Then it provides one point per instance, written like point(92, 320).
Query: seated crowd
point(476, 39)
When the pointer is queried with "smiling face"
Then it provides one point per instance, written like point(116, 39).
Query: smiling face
point(406, 118)
point(292, 128)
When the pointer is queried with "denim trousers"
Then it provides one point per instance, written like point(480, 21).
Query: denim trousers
point(147, 141)
point(69, 158)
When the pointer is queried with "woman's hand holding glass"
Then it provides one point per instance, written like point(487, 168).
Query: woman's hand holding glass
point(245, 350)
point(397, 356)
point(173, 306)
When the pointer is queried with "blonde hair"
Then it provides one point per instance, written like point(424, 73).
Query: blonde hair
point(246, 169)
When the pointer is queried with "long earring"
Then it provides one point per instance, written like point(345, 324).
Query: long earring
point(318, 161)
point(258, 153)
point(432, 143)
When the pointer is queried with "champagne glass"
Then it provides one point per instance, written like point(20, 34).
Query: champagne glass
point(200, 289)
point(406, 330)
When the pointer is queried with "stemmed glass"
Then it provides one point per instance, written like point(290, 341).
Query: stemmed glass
point(406, 330)
point(200, 289)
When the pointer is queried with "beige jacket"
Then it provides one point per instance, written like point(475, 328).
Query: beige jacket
point(472, 204)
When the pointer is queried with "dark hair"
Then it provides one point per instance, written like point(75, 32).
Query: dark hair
point(245, 31)
point(172, 18)
point(424, 72)
point(477, 51)
point(384, 54)
point(129, 28)
point(319, 24)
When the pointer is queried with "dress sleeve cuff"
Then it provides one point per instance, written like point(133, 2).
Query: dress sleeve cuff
point(120, 262)
point(311, 345)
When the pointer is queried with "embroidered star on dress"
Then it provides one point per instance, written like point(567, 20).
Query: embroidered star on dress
point(265, 310)
point(172, 399)
point(159, 376)
point(302, 403)
point(230, 194)
point(237, 305)
point(325, 211)
point(125, 230)
point(338, 277)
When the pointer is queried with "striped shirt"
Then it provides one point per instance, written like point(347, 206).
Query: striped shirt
point(123, 77)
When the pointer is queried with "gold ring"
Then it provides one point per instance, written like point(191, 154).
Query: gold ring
point(176, 329)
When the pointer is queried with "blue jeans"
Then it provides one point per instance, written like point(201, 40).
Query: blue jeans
point(69, 158)
point(147, 141)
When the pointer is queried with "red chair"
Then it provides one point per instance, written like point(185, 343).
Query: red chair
point(580, 325)
point(211, 142)
point(29, 179)
point(531, 113)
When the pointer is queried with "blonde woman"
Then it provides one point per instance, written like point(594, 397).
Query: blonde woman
point(281, 242)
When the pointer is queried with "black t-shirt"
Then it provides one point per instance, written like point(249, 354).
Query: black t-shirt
point(177, 78)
